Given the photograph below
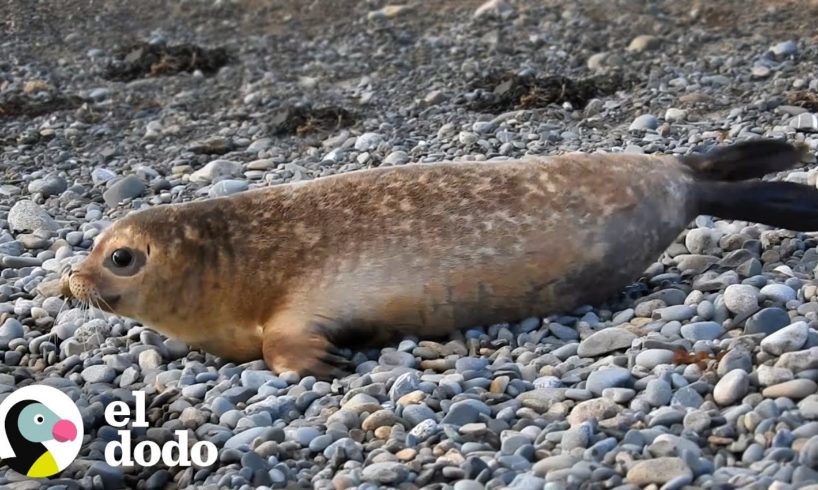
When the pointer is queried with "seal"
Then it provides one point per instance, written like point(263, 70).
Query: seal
point(287, 272)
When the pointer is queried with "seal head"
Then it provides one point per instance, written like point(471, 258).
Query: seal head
point(116, 276)
point(171, 269)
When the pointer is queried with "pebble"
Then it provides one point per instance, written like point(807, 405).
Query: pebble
point(494, 8)
point(127, 187)
point(741, 299)
point(658, 470)
point(368, 141)
point(53, 185)
point(98, 374)
point(731, 387)
point(216, 170)
point(398, 157)
point(795, 389)
point(702, 331)
point(604, 341)
point(651, 358)
point(658, 392)
point(644, 122)
point(788, 339)
point(761, 71)
point(465, 412)
point(767, 321)
point(778, 292)
point(806, 122)
point(228, 187)
point(675, 115)
point(149, 359)
point(27, 215)
point(391, 472)
point(784, 48)
point(607, 378)
point(644, 42)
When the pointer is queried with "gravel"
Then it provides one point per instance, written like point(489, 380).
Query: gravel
point(703, 375)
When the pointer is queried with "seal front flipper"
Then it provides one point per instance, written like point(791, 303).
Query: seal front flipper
point(294, 342)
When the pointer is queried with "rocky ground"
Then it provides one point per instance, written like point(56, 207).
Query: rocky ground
point(707, 379)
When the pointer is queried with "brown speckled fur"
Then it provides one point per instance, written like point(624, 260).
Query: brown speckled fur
point(422, 249)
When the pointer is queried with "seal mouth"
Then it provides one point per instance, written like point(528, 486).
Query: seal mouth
point(108, 303)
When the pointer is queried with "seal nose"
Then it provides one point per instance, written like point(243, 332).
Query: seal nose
point(64, 430)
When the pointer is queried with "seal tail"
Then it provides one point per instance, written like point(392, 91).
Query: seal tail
point(747, 160)
point(780, 204)
point(724, 191)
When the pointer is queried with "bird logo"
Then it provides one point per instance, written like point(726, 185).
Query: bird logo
point(40, 431)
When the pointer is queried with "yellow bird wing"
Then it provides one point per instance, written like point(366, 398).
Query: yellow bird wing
point(45, 466)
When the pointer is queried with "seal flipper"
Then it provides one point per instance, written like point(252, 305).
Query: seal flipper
point(723, 188)
point(292, 343)
point(747, 160)
point(781, 204)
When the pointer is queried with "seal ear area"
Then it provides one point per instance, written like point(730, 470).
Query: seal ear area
point(747, 160)
point(781, 204)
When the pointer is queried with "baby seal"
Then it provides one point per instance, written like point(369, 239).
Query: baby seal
point(286, 272)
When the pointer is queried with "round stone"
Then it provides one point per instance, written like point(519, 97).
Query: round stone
point(607, 378)
point(795, 389)
point(702, 331)
point(779, 293)
point(644, 122)
point(741, 299)
point(127, 187)
point(644, 42)
point(788, 339)
point(658, 471)
point(731, 387)
point(604, 341)
point(767, 321)
point(27, 215)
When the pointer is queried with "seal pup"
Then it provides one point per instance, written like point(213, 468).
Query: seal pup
point(287, 271)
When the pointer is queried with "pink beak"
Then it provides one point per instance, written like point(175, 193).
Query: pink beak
point(64, 430)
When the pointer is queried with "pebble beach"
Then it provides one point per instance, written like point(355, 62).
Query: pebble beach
point(703, 373)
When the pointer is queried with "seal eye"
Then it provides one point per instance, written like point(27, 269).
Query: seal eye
point(39, 419)
point(122, 257)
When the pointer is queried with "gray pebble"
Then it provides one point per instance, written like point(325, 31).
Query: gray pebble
point(604, 341)
point(767, 321)
point(644, 122)
point(702, 331)
point(98, 374)
point(731, 387)
point(227, 187)
point(127, 187)
point(27, 215)
point(788, 339)
point(741, 299)
point(607, 378)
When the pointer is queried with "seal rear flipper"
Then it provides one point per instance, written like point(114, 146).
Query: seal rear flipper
point(780, 204)
point(746, 160)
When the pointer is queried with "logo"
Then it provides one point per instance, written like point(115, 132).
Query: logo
point(148, 453)
point(40, 431)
